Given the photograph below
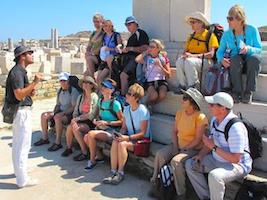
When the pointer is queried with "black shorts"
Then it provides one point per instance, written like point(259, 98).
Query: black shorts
point(156, 84)
point(129, 65)
point(87, 122)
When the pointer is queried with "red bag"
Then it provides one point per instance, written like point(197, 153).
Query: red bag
point(141, 147)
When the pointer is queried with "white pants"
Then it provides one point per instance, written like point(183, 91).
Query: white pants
point(219, 174)
point(22, 134)
point(187, 70)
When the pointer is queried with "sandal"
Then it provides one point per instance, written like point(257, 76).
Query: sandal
point(55, 147)
point(41, 142)
point(80, 157)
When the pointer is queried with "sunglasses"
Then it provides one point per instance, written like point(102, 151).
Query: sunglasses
point(129, 24)
point(230, 18)
point(87, 82)
point(194, 22)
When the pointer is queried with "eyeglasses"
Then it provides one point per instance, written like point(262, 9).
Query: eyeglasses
point(129, 94)
point(152, 47)
point(230, 18)
point(63, 81)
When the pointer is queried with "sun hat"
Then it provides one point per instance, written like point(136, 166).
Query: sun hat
point(103, 53)
point(87, 79)
point(195, 95)
point(21, 50)
point(108, 84)
point(222, 98)
point(131, 19)
point(197, 15)
point(64, 76)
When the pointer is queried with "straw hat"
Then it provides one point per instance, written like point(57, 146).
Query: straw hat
point(197, 15)
point(87, 79)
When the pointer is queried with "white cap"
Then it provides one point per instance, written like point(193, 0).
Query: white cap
point(64, 76)
point(222, 98)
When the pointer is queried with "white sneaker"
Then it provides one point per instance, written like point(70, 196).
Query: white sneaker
point(29, 183)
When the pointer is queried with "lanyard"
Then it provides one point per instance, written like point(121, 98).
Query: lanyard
point(244, 35)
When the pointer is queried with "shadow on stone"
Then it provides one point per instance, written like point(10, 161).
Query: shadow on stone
point(7, 176)
point(8, 186)
point(6, 138)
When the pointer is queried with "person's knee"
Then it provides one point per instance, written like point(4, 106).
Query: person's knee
point(179, 62)
point(124, 76)
point(188, 165)
point(214, 177)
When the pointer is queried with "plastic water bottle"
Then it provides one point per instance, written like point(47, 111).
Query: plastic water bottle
point(227, 53)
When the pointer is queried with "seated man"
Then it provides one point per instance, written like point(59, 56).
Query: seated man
point(136, 44)
point(66, 100)
point(223, 160)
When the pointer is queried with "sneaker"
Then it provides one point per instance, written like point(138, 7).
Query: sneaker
point(67, 152)
point(55, 147)
point(41, 142)
point(80, 157)
point(100, 160)
point(29, 183)
point(108, 180)
point(117, 179)
point(247, 98)
point(90, 166)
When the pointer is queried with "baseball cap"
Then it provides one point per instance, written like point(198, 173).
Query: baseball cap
point(222, 98)
point(130, 19)
point(64, 76)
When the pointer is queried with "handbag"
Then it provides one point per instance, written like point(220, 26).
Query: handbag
point(9, 111)
point(141, 147)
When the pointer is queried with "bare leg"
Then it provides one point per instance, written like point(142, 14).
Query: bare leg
point(69, 136)
point(124, 83)
point(152, 96)
point(79, 138)
point(123, 153)
point(45, 117)
point(114, 155)
point(91, 61)
point(162, 93)
point(58, 124)
point(102, 75)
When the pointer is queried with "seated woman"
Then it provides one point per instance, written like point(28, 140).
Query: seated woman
point(94, 45)
point(244, 42)
point(131, 131)
point(84, 113)
point(108, 51)
point(190, 63)
point(190, 124)
point(156, 71)
point(110, 118)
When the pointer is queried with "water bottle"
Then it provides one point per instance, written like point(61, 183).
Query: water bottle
point(227, 53)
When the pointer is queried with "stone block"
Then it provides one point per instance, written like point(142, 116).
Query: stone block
point(62, 64)
point(77, 67)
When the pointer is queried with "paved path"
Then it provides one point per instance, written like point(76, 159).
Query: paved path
point(60, 178)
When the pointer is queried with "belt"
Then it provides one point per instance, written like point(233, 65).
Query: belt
point(25, 108)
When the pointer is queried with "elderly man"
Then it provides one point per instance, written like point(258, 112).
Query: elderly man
point(223, 160)
point(66, 100)
point(136, 44)
point(18, 94)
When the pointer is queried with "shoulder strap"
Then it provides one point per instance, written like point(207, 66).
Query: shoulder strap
point(132, 119)
point(110, 109)
point(208, 36)
point(229, 125)
point(80, 100)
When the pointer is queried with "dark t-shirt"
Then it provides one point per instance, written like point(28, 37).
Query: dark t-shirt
point(137, 39)
point(17, 78)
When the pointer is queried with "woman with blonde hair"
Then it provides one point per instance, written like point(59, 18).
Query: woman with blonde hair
point(84, 113)
point(244, 44)
point(131, 131)
point(157, 70)
point(196, 56)
point(94, 45)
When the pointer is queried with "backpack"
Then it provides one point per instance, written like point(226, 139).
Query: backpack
point(216, 79)
point(252, 190)
point(74, 82)
point(254, 136)
point(167, 189)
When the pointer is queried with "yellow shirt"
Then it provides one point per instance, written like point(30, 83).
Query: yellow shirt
point(195, 46)
point(187, 126)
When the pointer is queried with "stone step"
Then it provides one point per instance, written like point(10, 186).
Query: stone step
point(264, 62)
point(255, 112)
point(259, 95)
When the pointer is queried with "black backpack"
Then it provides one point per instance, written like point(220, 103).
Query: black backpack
point(252, 190)
point(167, 189)
point(254, 135)
point(74, 82)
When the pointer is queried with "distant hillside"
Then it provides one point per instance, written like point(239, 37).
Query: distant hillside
point(263, 32)
point(86, 34)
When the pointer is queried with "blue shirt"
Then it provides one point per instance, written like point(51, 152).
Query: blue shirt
point(253, 42)
point(237, 141)
point(111, 42)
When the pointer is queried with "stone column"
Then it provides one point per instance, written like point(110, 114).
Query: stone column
point(55, 38)
point(52, 38)
point(165, 20)
point(10, 44)
point(23, 42)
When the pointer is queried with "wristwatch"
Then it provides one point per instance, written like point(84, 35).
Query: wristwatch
point(214, 148)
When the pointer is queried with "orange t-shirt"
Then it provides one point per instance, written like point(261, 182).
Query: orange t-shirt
point(187, 126)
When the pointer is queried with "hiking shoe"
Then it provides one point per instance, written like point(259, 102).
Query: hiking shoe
point(117, 179)
point(55, 147)
point(247, 98)
point(90, 166)
point(100, 160)
point(41, 142)
point(80, 157)
point(67, 152)
point(108, 180)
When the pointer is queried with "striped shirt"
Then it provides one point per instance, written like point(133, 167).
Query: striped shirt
point(237, 141)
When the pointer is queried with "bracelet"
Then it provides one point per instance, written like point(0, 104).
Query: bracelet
point(129, 137)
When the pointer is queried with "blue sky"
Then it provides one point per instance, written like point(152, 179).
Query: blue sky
point(34, 18)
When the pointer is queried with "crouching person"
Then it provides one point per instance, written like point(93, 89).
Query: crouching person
point(110, 118)
point(84, 113)
point(135, 127)
point(188, 129)
point(66, 100)
point(223, 160)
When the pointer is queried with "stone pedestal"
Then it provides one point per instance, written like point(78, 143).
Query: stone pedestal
point(6, 62)
point(62, 64)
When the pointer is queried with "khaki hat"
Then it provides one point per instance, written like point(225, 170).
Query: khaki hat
point(222, 98)
point(87, 79)
point(197, 15)
point(195, 95)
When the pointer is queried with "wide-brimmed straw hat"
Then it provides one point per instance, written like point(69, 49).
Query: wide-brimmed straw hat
point(197, 15)
point(87, 79)
point(195, 95)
